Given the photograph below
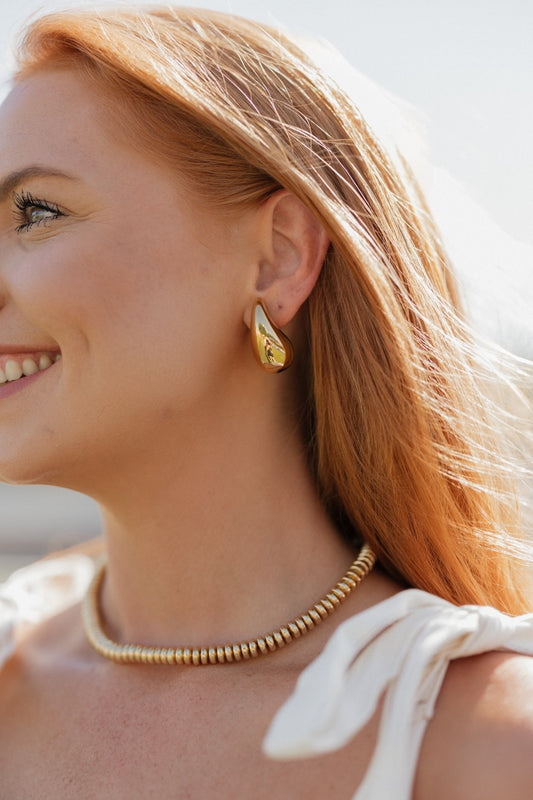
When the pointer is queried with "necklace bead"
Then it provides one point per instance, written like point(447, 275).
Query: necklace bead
point(220, 654)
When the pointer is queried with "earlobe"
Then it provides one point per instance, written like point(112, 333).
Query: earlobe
point(294, 250)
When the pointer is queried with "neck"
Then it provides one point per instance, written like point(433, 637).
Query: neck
point(223, 542)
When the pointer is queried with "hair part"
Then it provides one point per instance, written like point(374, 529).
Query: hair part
point(401, 438)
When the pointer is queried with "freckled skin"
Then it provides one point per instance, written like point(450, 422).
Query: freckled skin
point(127, 280)
point(158, 410)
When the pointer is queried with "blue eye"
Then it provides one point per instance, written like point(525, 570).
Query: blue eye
point(31, 211)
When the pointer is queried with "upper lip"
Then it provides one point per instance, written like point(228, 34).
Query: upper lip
point(19, 350)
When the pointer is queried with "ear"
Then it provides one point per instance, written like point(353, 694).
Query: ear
point(293, 247)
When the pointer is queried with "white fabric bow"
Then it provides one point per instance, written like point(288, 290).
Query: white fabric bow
point(399, 648)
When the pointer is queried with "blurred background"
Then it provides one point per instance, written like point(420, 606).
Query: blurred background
point(466, 69)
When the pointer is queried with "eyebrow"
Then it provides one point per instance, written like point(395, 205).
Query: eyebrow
point(14, 179)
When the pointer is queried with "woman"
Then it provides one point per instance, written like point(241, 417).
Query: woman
point(174, 184)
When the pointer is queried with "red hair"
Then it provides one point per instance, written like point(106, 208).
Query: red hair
point(400, 436)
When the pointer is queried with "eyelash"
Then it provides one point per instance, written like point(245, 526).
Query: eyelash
point(26, 200)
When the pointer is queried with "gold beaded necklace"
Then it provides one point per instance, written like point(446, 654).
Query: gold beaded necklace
point(196, 656)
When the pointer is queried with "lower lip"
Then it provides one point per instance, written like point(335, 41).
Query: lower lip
point(11, 387)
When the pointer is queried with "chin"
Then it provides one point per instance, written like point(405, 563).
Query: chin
point(21, 465)
point(26, 475)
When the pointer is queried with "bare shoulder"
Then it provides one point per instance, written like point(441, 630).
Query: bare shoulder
point(480, 741)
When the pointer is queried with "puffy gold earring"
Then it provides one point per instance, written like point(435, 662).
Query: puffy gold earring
point(272, 349)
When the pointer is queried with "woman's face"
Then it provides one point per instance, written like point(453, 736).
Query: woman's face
point(107, 260)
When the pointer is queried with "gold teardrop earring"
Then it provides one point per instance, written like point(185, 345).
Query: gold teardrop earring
point(272, 349)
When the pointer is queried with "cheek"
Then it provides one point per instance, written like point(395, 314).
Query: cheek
point(77, 280)
point(154, 302)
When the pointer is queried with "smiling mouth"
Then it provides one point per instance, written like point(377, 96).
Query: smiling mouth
point(13, 367)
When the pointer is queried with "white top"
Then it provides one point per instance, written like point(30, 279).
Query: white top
point(400, 647)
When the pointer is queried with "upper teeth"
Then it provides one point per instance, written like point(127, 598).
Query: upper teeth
point(14, 369)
